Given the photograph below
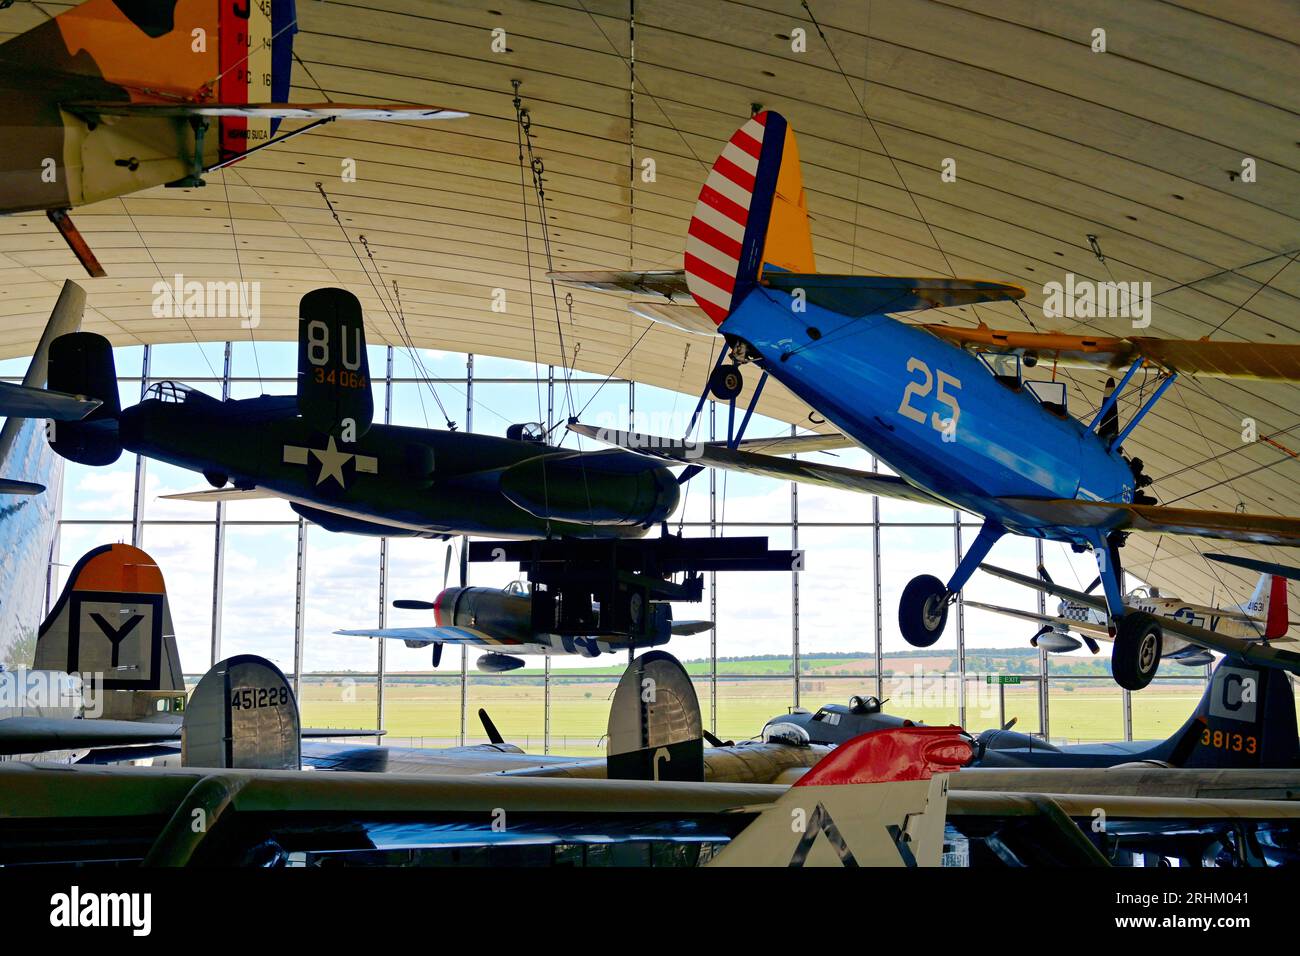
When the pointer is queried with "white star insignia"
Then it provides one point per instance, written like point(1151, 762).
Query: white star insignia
point(331, 460)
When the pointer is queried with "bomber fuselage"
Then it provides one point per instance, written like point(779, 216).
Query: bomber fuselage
point(399, 480)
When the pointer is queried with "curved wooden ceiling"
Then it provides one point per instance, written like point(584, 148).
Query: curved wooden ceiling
point(1140, 146)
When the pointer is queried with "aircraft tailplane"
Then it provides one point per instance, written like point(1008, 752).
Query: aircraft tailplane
point(81, 363)
point(752, 214)
point(1269, 601)
point(112, 621)
point(1246, 718)
point(878, 800)
point(334, 393)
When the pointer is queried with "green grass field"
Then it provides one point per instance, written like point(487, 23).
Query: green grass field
point(428, 714)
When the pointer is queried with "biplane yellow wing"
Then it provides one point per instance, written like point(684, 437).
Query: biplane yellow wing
point(1228, 526)
point(1198, 357)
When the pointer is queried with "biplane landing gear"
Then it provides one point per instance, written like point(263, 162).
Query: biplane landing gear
point(1136, 655)
point(923, 609)
point(1137, 635)
point(726, 382)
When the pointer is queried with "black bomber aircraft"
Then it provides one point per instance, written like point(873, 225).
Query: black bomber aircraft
point(322, 452)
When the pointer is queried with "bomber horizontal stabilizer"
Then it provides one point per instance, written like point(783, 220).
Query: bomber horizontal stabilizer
point(786, 469)
point(25, 401)
point(27, 735)
point(305, 111)
point(1260, 652)
point(1228, 526)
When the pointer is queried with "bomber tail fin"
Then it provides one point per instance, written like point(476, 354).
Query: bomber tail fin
point(334, 393)
point(1246, 718)
point(878, 800)
point(112, 620)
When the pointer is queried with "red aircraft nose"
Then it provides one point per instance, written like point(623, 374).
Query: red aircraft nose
point(437, 607)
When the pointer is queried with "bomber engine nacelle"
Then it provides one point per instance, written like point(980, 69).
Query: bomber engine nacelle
point(599, 489)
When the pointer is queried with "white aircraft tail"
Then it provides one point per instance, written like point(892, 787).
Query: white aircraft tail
point(879, 800)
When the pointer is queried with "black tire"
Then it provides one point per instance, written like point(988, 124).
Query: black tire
point(726, 382)
point(1136, 655)
point(923, 610)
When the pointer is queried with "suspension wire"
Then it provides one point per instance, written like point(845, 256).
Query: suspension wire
point(383, 301)
point(239, 263)
point(522, 123)
point(157, 268)
point(1262, 286)
point(524, 134)
point(1263, 439)
point(870, 122)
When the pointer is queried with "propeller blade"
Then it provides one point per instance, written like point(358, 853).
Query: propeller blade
point(1033, 641)
point(1091, 642)
point(446, 568)
point(437, 654)
point(1042, 573)
point(489, 728)
point(1091, 587)
point(1010, 723)
point(715, 742)
point(414, 605)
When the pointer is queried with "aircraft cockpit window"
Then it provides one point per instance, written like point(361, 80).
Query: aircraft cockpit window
point(1005, 367)
point(527, 431)
point(1051, 395)
point(173, 393)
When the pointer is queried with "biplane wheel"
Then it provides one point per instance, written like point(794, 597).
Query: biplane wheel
point(726, 382)
point(923, 610)
point(1136, 655)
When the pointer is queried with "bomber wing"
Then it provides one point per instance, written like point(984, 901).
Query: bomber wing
point(711, 455)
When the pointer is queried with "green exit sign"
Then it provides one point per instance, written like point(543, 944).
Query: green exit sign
point(1002, 679)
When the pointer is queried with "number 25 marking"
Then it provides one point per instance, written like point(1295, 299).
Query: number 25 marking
point(922, 388)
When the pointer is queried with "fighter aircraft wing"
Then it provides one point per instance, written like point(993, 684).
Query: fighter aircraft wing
point(24, 401)
point(1260, 361)
point(1071, 623)
point(709, 455)
point(424, 636)
point(1261, 652)
point(1228, 526)
point(304, 111)
point(29, 735)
